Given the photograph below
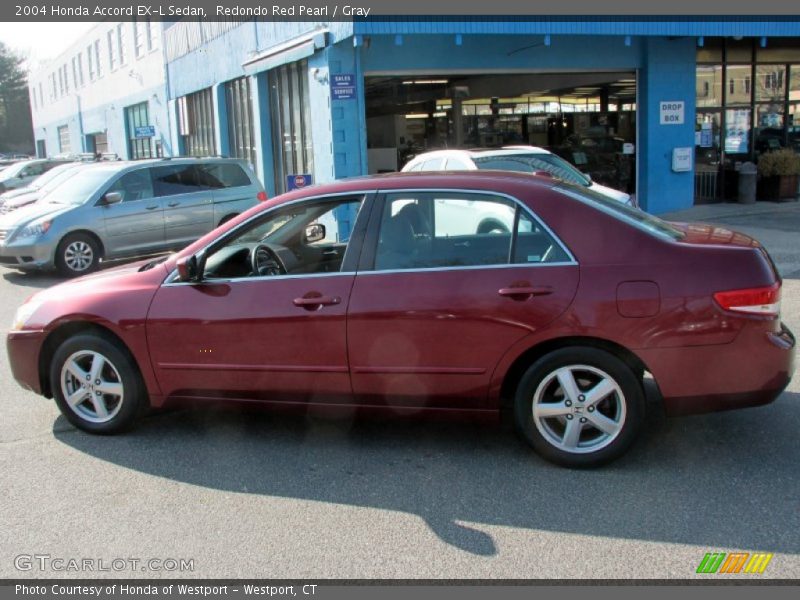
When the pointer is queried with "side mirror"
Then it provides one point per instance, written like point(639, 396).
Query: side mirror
point(190, 268)
point(112, 198)
point(588, 177)
point(314, 233)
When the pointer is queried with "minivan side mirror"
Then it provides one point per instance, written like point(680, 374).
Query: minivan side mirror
point(112, 198)
point(314, 233)
point(588, 177)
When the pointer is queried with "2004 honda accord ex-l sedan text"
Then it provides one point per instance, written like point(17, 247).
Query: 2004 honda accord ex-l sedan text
point(392, 293)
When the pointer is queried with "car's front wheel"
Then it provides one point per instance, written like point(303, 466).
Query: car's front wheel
point(579, 407)
point(96, 385)
point(77, 254)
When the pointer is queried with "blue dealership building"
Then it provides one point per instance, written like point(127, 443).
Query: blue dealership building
point(665, 108)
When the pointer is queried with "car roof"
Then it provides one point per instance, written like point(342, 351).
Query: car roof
point(480, 152)
point(487, 180)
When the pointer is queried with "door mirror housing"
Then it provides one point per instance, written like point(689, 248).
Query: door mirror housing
point(112, 198)
point(588, 177)
point(314, 233)
point(190, 268)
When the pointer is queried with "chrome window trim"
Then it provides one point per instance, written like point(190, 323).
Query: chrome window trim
point(470, 268)
point(254, 278)
point(259, 215)
point(518, 202)
point(373, 271)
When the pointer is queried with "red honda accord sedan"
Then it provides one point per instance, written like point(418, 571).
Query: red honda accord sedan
point(467, 292)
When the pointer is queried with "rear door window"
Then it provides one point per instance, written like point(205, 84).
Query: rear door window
point(178, 179)
point(224, 175)
point(434, 230)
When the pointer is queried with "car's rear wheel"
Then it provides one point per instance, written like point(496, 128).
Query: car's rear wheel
point(77, 254)
point(96, 385)
point(579, 407)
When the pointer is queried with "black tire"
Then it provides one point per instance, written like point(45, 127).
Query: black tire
point(621, 411)
point(120, 368)
point(75, 251)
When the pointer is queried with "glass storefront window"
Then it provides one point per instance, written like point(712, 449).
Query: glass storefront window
point(707, 137)
point(710, 51)
point(779, 50)
point(794, 83)
point(737, 131)
point(770, 82)
point(793, 124)
point(709, 86)
point(769, 127)
point(739, 85)
point(739, 51)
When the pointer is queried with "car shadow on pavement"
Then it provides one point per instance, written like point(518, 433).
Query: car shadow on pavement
point(716, 481)
point(34, 279)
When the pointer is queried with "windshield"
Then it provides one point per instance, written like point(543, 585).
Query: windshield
point(61, 174)
point(637, 218)
point(77, 189)
point(14, 169)
point(52, 177)
point(530, 163)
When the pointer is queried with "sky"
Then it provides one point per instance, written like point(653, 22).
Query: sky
point(41, 41)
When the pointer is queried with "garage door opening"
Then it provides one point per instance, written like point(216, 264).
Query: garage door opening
point(587, 118)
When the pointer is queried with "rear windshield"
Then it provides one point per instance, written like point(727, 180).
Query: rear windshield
point(637, 218)
point(530, 163)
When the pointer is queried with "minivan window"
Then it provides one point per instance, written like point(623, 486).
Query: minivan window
point(133, 186)
point(224, 175)
point(78, 189)
point(177, 179)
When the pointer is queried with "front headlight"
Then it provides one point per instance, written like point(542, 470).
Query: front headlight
point(24, 313)
point(34, 230)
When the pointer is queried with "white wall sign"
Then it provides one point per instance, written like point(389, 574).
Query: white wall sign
point(672, 113)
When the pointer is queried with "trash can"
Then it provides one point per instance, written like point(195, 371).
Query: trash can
point(748, 173)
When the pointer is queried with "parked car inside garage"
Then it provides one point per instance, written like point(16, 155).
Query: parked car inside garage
point(353, 295)
point(121, 209)
point(523, 159)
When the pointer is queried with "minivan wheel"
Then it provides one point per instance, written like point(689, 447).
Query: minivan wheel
point(77, 254)
point(96, 385)
point(579, 407)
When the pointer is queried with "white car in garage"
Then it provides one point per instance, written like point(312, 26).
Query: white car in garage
point(526, 159)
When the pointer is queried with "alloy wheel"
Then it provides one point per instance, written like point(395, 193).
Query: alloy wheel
point(579, 409)
point(78, 256)
point(92, 386)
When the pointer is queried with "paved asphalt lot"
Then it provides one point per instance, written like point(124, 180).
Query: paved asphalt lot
point(250, 494)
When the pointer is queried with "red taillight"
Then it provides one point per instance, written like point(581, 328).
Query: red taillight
point(261, 196)
point(764, 301)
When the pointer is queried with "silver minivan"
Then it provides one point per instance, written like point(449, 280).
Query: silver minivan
point(123, 209)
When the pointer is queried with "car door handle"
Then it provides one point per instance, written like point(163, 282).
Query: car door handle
point(151, 207)
point(525, 292)
point(314, 302)
point(172, 204)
